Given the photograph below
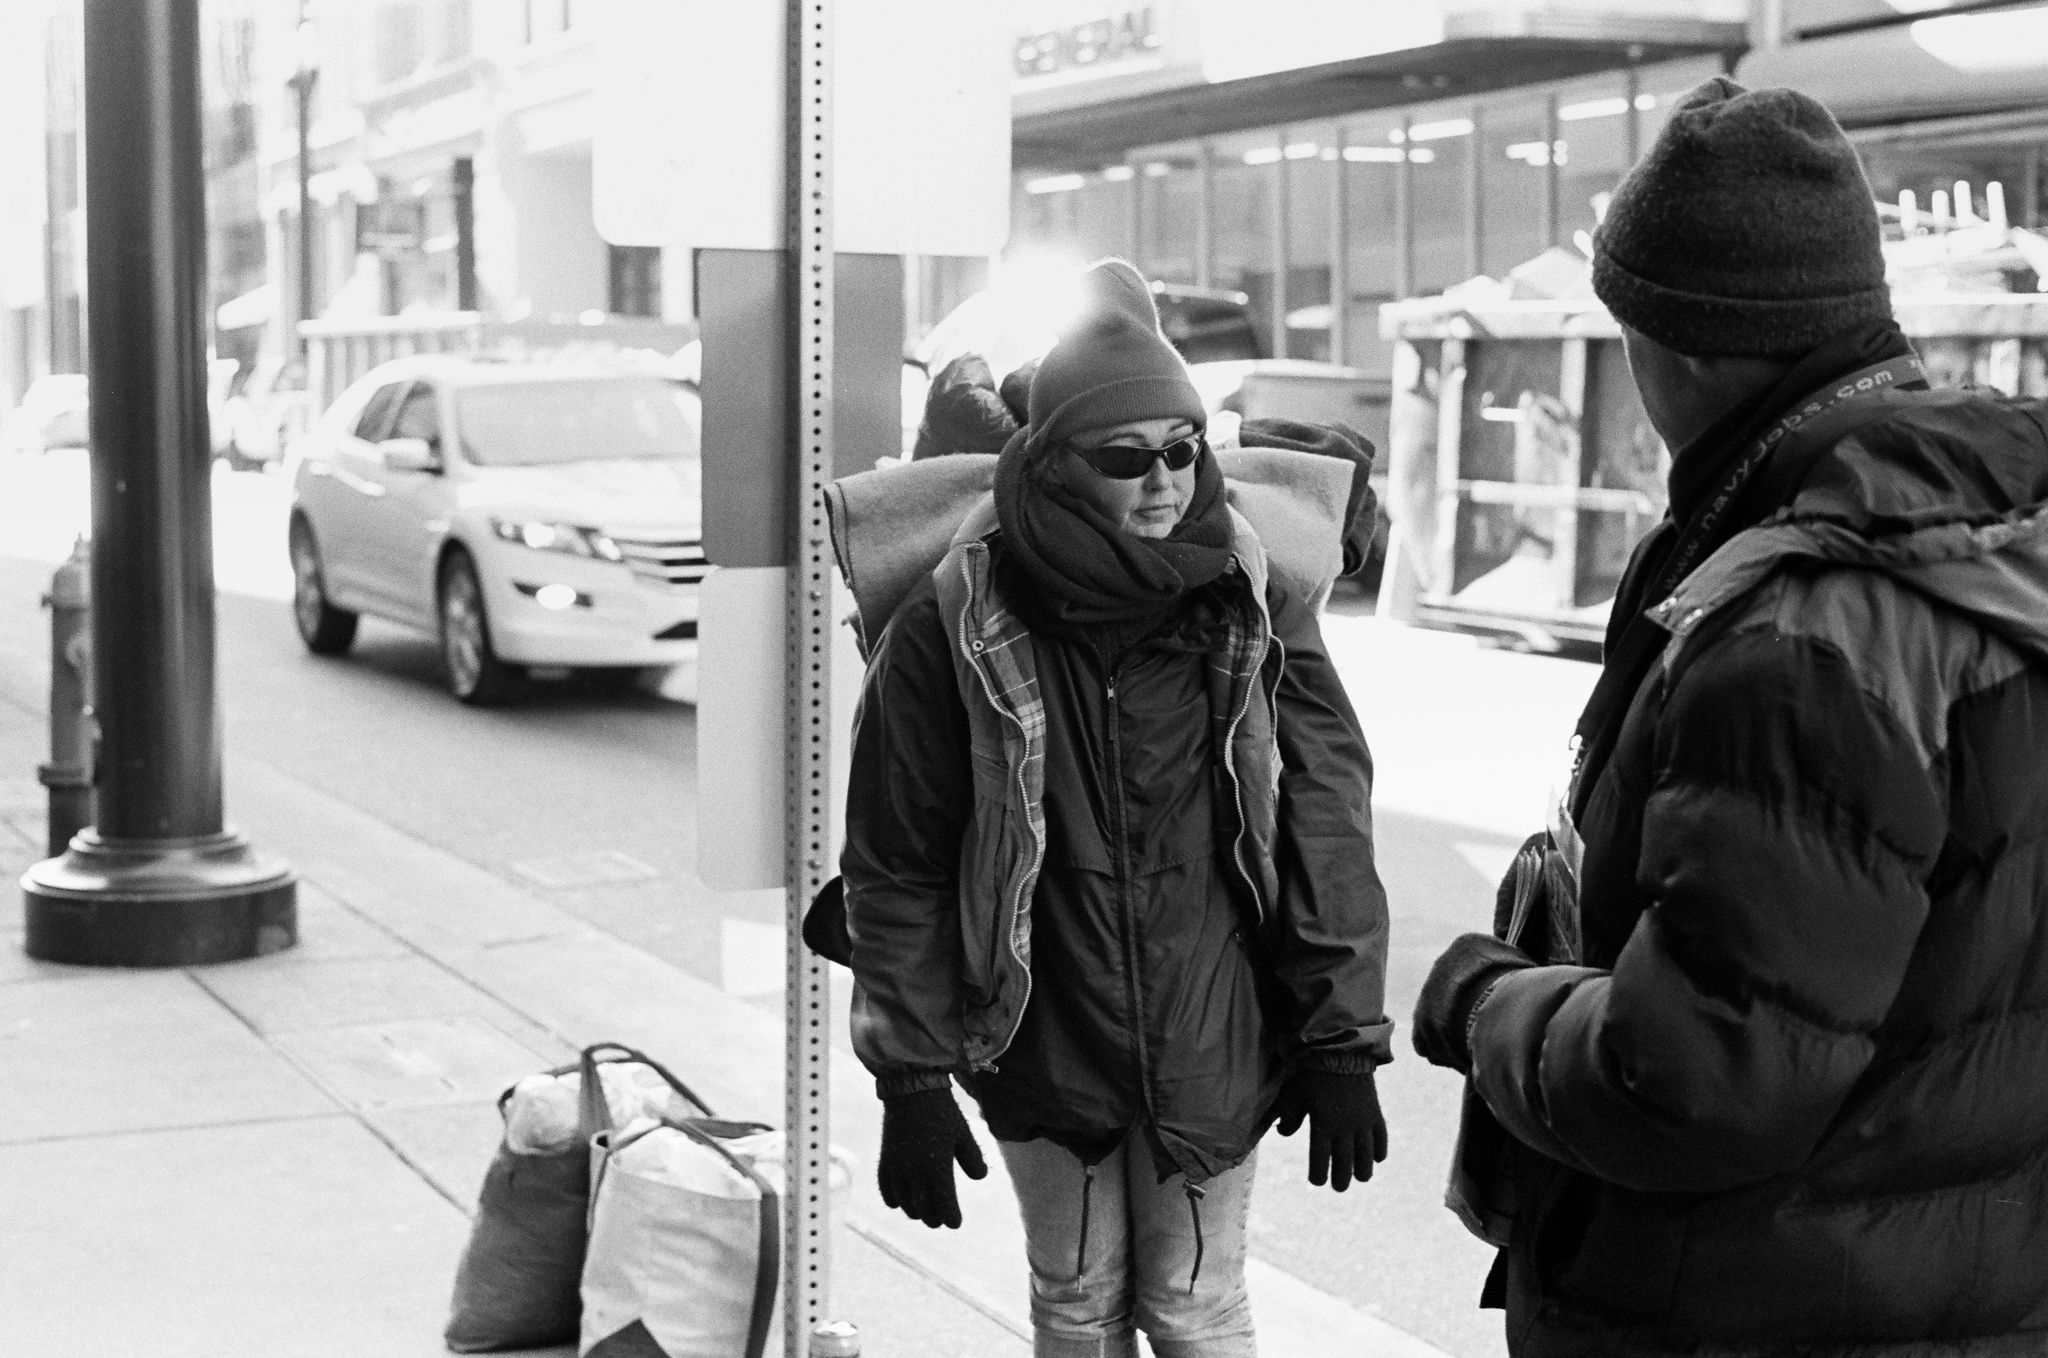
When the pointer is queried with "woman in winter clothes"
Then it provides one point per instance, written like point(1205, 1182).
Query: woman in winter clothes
point(1109, 862)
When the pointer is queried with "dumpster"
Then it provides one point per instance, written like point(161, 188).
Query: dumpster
point(1522, 469)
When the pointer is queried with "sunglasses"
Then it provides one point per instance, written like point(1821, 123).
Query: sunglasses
point(1129, 461)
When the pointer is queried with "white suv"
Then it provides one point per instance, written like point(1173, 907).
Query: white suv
point(530, 514)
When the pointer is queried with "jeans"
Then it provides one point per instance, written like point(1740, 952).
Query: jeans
point(1136, 1268)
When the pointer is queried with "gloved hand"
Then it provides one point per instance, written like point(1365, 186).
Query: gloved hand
point(922, 1135)
point(1347, 1134)
point(1454, 988)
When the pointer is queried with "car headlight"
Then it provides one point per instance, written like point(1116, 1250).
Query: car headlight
point(544, 536)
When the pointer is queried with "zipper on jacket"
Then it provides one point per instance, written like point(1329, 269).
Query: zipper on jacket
point(1266, 642)
point(988, 1063)
point(1123, 894)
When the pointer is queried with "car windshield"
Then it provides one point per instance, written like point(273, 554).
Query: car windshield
point(578, 419)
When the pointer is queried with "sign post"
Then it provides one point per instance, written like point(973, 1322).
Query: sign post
point(800, 150)
point(807, 741)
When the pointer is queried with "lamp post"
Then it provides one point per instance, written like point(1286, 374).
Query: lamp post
point(160, 880)
point(307, 44)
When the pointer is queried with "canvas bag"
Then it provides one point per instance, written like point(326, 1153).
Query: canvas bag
point(685, 1244)
point(517, 1285)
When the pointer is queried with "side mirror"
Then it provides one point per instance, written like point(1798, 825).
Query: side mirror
point(410, 455)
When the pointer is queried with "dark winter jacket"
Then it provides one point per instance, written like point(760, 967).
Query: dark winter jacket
point(1113, 897)
point(1795, 1100)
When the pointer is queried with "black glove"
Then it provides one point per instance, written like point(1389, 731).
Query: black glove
point(1456, 984)
point(1347, 1134)
point(922, 1135)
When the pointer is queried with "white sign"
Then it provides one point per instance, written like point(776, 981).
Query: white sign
point(691, 122)
point(742, 676)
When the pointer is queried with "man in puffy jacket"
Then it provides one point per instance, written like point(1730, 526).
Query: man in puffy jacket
point(1109, 861)
point(1783, 1092)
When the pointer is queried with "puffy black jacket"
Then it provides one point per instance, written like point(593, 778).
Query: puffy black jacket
point(1795, 1101)
point(1157, 1001)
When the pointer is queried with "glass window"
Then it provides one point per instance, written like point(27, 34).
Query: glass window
point(1372, 191)
point(1439, 141)
point(634, 280)
point(419, 417)
point(1514, 177)
point(377, 414)
point(1171, 221)
point(578, 419)
point(1241, 230)
point(1309, 167)
point(1592, 153)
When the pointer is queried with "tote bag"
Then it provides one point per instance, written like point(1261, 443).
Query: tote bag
point(519, 1280)
point(685, 1243)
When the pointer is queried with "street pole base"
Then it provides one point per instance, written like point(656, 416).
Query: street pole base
point(159, 902)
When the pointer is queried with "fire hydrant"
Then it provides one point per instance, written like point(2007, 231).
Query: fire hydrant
point(69, 773)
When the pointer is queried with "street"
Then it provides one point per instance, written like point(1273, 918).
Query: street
point(584, 795)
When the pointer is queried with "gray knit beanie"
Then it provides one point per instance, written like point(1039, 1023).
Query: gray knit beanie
point(1747, 230)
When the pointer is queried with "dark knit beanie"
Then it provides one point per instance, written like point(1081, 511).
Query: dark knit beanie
point(1747, 230)
point(1111, 365)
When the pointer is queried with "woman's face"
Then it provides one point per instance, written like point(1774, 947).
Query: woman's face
point(1147, 507)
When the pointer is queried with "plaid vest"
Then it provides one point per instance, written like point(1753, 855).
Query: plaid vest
point(1004, 847)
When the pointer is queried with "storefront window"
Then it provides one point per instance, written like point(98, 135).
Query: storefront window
point(1372, 174)
point(1171, 218)
point(1309, 169)
point(1593, 154)
point(1241, 233)
point(1514, 181)
point(1439, 142)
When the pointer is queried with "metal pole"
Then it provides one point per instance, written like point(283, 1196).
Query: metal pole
point(1135, 202)
point(1277, 249)
point(159, 881)
point(462, 182)
point(1404, 217)
point(807, 1200)
point(1475, 225)
point(1550, 177)
point(1632, 125)
point(302, 83)
point(1340, 247)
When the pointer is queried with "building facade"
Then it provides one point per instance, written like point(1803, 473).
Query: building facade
point(449, 168)
point(1324, 158)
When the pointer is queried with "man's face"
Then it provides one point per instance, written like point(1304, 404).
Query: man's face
point(1685, 396)
point(1148, 506)
point(1664, 382)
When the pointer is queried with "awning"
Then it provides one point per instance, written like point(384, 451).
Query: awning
point(1459, 66)
point(1950, 65)
point(253, 307)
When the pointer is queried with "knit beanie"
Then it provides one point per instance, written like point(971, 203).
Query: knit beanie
point(1111, 365)
point(1747, 230)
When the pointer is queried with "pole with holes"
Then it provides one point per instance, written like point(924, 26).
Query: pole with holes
point(806, 1199)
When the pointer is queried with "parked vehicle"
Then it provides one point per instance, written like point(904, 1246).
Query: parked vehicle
point(263, 412)
point(530, 514)
point(52, 414)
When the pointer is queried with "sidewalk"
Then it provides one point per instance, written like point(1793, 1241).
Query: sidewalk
point(278, 1157)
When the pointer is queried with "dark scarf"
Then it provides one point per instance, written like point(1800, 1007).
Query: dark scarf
point(1084, 569)
point(1699, 475)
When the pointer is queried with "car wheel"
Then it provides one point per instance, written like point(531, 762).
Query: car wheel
point(325, 629)
point(475, 674)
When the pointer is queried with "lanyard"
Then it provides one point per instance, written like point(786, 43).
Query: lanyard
point(1864, 382)
point(1638, 638)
